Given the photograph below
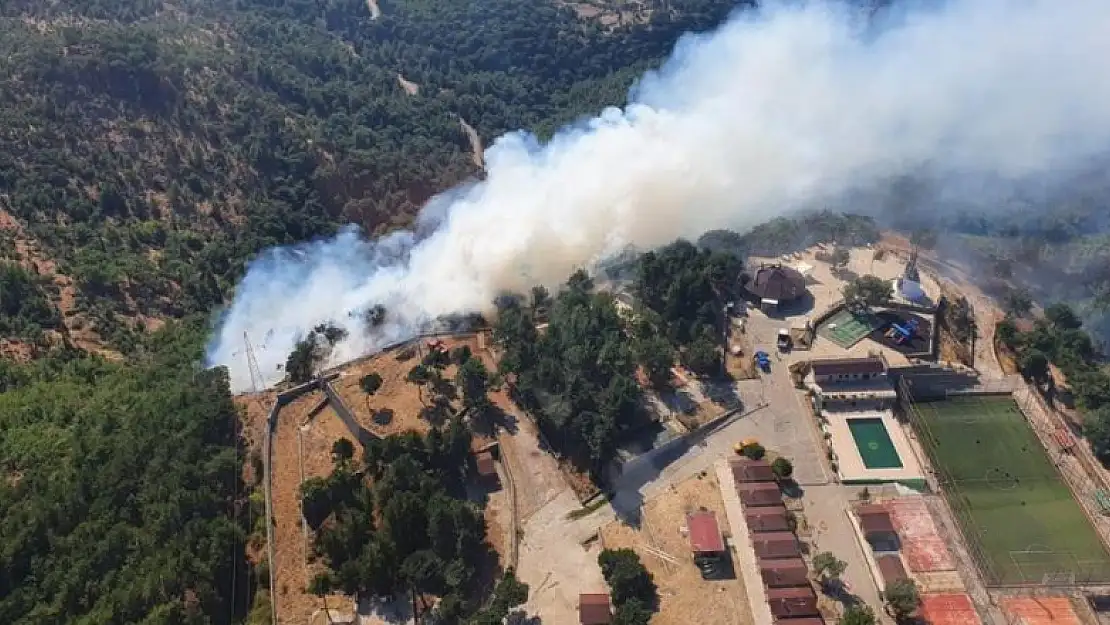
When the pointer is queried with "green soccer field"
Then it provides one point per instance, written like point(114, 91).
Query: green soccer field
point(1007, 494)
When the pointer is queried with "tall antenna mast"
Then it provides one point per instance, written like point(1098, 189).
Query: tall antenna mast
point(911, 273)
point(252, 363)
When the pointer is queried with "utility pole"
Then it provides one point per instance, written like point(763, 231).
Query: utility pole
point(252, 364)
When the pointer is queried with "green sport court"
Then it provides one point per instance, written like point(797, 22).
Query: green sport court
point(1021, 520)
point(847, 328)
point(874, 444)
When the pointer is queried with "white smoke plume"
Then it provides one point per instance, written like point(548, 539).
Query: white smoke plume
point(779, 108)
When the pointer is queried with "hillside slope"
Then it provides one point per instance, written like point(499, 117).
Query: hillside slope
point(148, 149)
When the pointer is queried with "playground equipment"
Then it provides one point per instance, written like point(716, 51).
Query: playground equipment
point(901, 333)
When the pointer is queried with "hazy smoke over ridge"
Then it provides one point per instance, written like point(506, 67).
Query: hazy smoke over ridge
point(777, 109)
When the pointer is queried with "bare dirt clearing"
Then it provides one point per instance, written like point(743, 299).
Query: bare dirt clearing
point(684, 596)
point(298, 456)
point(410, 87)
point(476, 149)
point(396, 406)
point(29, 255)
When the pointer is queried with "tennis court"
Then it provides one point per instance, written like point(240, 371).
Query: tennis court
point(847, 328)
point(1021, 519)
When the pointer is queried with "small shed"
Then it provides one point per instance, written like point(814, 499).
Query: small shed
point(705, 534)
point(707, 544)
point(759, 494)
point(792, 602)
point(776, 545)
point(767, 519)
point(487, 468)
point(747, 470)
point(784, 573)
point(593, 609)
point(891, 568)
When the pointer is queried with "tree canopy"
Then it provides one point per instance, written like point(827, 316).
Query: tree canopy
point(119, 489)
point(867, 291)
point(578, 376)
point(152, 153)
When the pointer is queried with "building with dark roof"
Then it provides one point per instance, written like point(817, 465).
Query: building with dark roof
point(767, 519)
point(784, 573)
point(776, 545)
point(748, 470)
point(792, 602)
point(774, 285)
point(593, 609)
point(842, 369)
point(759, 494)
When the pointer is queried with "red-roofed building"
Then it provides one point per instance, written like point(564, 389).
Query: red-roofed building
point(783, 573)
point(706, 542)
point(792, 602)
point(891, 568)
point(767, 519)
point(748, 470)
point(759, 494)
point(487, 468)
point(705, 534)
point(776, 545)
point(593, 609)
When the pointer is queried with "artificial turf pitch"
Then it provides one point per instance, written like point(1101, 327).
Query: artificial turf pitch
point(851, 328)
point(1007, 494)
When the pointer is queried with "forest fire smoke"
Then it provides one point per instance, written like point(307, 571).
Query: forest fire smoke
point(781, 108)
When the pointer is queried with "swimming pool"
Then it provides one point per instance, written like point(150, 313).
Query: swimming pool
point(874, 444)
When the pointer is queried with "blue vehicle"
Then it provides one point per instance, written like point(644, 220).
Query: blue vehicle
point(763, 361)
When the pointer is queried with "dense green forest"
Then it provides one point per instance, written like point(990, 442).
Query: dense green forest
point(578, 375)
point(119, 488)
point(152, 149)
point(397, 522)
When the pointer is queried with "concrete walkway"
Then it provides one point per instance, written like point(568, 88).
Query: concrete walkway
point(831, 530)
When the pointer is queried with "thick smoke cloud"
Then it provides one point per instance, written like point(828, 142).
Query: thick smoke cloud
point(789, 107)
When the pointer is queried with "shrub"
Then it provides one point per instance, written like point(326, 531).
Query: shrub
point(370, 383)
point(782, 468)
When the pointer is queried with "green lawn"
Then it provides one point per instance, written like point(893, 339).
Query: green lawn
point(1007, 494)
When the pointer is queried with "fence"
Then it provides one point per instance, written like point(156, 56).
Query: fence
point(1070, 470)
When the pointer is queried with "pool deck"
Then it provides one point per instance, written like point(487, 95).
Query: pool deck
point(851, 468)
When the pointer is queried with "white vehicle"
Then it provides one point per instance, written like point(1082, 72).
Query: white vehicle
point(784, 339)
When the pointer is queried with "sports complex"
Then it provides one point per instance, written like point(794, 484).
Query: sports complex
point(1020, 519)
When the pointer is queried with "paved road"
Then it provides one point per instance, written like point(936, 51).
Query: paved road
point(826, 512)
